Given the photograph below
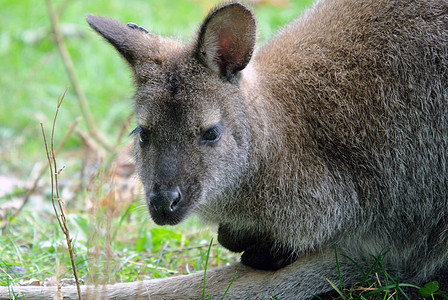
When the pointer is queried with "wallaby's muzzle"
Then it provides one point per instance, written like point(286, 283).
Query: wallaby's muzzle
point(164, 205)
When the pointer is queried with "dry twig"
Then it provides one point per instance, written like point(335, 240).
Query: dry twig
point(56, 200)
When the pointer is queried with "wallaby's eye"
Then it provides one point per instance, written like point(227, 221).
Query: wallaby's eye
point(143, 135)
point(212, 134)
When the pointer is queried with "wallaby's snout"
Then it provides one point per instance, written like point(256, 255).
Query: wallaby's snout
point(167, 196)
point(164, 205)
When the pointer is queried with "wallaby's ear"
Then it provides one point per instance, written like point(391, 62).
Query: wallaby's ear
point(141, 49)
point(131, 42)
point(227, 39)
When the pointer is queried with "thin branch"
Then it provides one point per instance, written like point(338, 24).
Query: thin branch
point(59, 211)
point(74, 80)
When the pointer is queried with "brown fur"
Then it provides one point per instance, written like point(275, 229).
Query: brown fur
point(334, 132)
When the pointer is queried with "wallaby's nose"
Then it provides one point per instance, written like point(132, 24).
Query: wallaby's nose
point(165, 201)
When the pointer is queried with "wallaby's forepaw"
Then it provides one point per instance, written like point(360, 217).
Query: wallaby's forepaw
point(259, 252)
point(265, 257)
point(235, 241)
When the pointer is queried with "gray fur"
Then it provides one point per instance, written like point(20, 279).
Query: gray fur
point(333, 132)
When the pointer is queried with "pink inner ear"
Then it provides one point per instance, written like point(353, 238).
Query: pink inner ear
point(225, 38)
point(226, 47)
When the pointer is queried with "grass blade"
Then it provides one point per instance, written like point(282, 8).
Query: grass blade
point(336, 289)
point(339, 270)
point(205, 269)
point(229, 286)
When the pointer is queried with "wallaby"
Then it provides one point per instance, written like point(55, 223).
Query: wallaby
point(335, 132)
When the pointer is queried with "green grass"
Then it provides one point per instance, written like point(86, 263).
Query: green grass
point(117, 246)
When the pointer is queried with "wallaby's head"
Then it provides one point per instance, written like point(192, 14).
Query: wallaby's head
point(193, 137)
